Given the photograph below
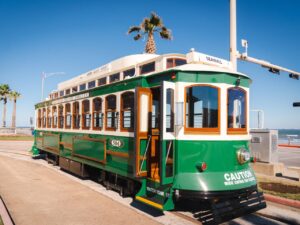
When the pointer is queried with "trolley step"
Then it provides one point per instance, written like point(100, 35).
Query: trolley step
point(156, 195)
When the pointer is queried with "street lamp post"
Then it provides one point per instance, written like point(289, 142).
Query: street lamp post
point(260, 118)
point(46, 75)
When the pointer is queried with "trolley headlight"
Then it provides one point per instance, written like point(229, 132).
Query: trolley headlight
point(243, 155)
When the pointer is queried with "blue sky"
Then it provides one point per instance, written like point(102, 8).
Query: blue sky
point(74, 36)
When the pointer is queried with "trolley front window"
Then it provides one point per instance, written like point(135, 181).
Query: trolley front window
point(127, 104)
point(97, 114)
point(111, 114)
point(202, 109)
point(236, 108)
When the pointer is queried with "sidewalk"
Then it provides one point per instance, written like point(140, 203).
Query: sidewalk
point(36, 195)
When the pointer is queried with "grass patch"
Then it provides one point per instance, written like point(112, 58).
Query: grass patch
point(16, 138)
point(1, 221)
point(283, 195)
point(278, 187)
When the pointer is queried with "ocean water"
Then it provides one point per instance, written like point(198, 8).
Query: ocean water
point(286, 135)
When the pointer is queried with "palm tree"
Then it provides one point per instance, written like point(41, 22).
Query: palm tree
point(4, 92)
point(148, 28)
point(14, 96)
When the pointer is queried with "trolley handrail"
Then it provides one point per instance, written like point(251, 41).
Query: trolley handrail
point(169, 148)
point(144, 156)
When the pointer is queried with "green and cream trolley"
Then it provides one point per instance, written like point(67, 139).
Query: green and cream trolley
point(159, 127)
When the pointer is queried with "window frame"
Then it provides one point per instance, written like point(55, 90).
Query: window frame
point(74, 114)
point(54, 109)
point(110, 110)
point(234, 131)
point(93, 113)
point(66, 115)
point(114, 75)
point(146, 64)
point(39, 119)
point(205, 130)
point(83, 114)
point(173, 62)
point(59, 107)
point(125, 129)
point(101, 79)
point(49, 118)
point(126, 75)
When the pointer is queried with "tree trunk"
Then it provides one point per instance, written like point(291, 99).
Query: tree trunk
point(13, 120)
point(4, 113)
point(150, 45)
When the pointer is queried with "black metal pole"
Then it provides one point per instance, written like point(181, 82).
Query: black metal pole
point(296, 104)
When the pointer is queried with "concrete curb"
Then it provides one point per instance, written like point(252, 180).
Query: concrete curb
point(282, 201)
point(6, 219)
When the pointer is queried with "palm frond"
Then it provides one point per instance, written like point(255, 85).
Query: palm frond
point(146, 25)
point(134, 29)
point(155, 20)
point(13, 95)
point(166, 34)
point(137, 37)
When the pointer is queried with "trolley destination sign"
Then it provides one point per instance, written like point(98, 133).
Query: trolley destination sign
point(72, 98)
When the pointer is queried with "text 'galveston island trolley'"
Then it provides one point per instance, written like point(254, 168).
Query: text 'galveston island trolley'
point(163, 128)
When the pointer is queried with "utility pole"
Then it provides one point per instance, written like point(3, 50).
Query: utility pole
point(46, 75)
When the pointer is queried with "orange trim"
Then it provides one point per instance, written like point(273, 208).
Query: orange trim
point(190, 130)
point(140, 135)
point(290, 146)
point(118, 154)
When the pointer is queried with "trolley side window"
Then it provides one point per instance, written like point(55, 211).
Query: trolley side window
point(172, 62)
point(127, 107)
point(76, 115)
point(44, 118)
point(202, 109)
point(39, 120)
point(97, 114)
point(60, 116)
point(236, 108)
point(86, 115)
point(54, 116)
point(111, 114)
point(49, 117)
point(68, 116)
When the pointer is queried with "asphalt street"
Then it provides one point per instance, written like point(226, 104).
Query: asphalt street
point(289, 156)
point(19, 151)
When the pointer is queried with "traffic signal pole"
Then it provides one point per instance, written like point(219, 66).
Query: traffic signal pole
point(234, 54)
